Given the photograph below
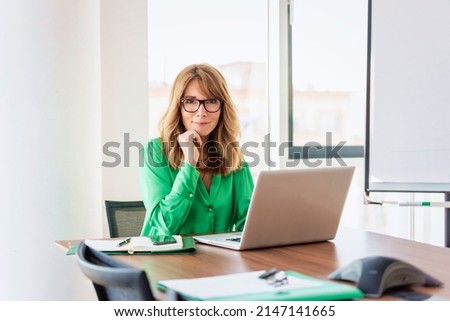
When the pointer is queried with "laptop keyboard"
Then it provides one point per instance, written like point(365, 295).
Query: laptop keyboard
point(234, 239)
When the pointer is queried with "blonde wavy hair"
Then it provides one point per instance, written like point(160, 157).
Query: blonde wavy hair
point(223, 140)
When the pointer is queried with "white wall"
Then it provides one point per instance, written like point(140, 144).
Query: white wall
point(66, 87)
point(124, 93)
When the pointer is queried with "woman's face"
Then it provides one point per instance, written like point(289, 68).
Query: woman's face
point(202, 121)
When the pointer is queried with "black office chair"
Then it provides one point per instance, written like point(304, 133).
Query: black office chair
point(112, 279)
point(125, 218)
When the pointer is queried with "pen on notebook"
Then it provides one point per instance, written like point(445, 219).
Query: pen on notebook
point(126, 241)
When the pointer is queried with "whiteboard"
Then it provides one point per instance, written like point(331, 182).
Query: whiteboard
point(408, 90)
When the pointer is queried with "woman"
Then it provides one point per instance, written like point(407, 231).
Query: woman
point(194, 179)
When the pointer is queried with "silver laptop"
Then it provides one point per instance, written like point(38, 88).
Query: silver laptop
point(290, 207)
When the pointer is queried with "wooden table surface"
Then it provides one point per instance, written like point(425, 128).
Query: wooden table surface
point(316, 259)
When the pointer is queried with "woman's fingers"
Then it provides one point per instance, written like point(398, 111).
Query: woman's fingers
point(190, 141)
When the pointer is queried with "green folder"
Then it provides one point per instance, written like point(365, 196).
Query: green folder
point(248, 287)
point(188, 248)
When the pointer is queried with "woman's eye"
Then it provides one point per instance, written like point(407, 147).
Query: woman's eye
point(212, 101)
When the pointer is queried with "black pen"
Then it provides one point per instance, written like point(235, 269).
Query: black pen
point(126, 241)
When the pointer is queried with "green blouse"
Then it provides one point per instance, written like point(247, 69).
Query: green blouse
point(178, 202)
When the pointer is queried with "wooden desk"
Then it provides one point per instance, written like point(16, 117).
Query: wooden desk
point(318, 259)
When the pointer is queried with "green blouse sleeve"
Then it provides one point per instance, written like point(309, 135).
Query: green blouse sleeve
point(242, 193)
point(167, 195)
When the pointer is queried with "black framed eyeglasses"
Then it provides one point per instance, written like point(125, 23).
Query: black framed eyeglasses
point(191, 105)
point(275, 277)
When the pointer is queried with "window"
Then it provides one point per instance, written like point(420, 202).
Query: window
point(328, 45)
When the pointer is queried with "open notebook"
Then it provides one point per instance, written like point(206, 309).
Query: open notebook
point(142, 245)
point(290, 207)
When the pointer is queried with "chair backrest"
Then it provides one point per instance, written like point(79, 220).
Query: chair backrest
point(112, 279)
point(125, 218)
